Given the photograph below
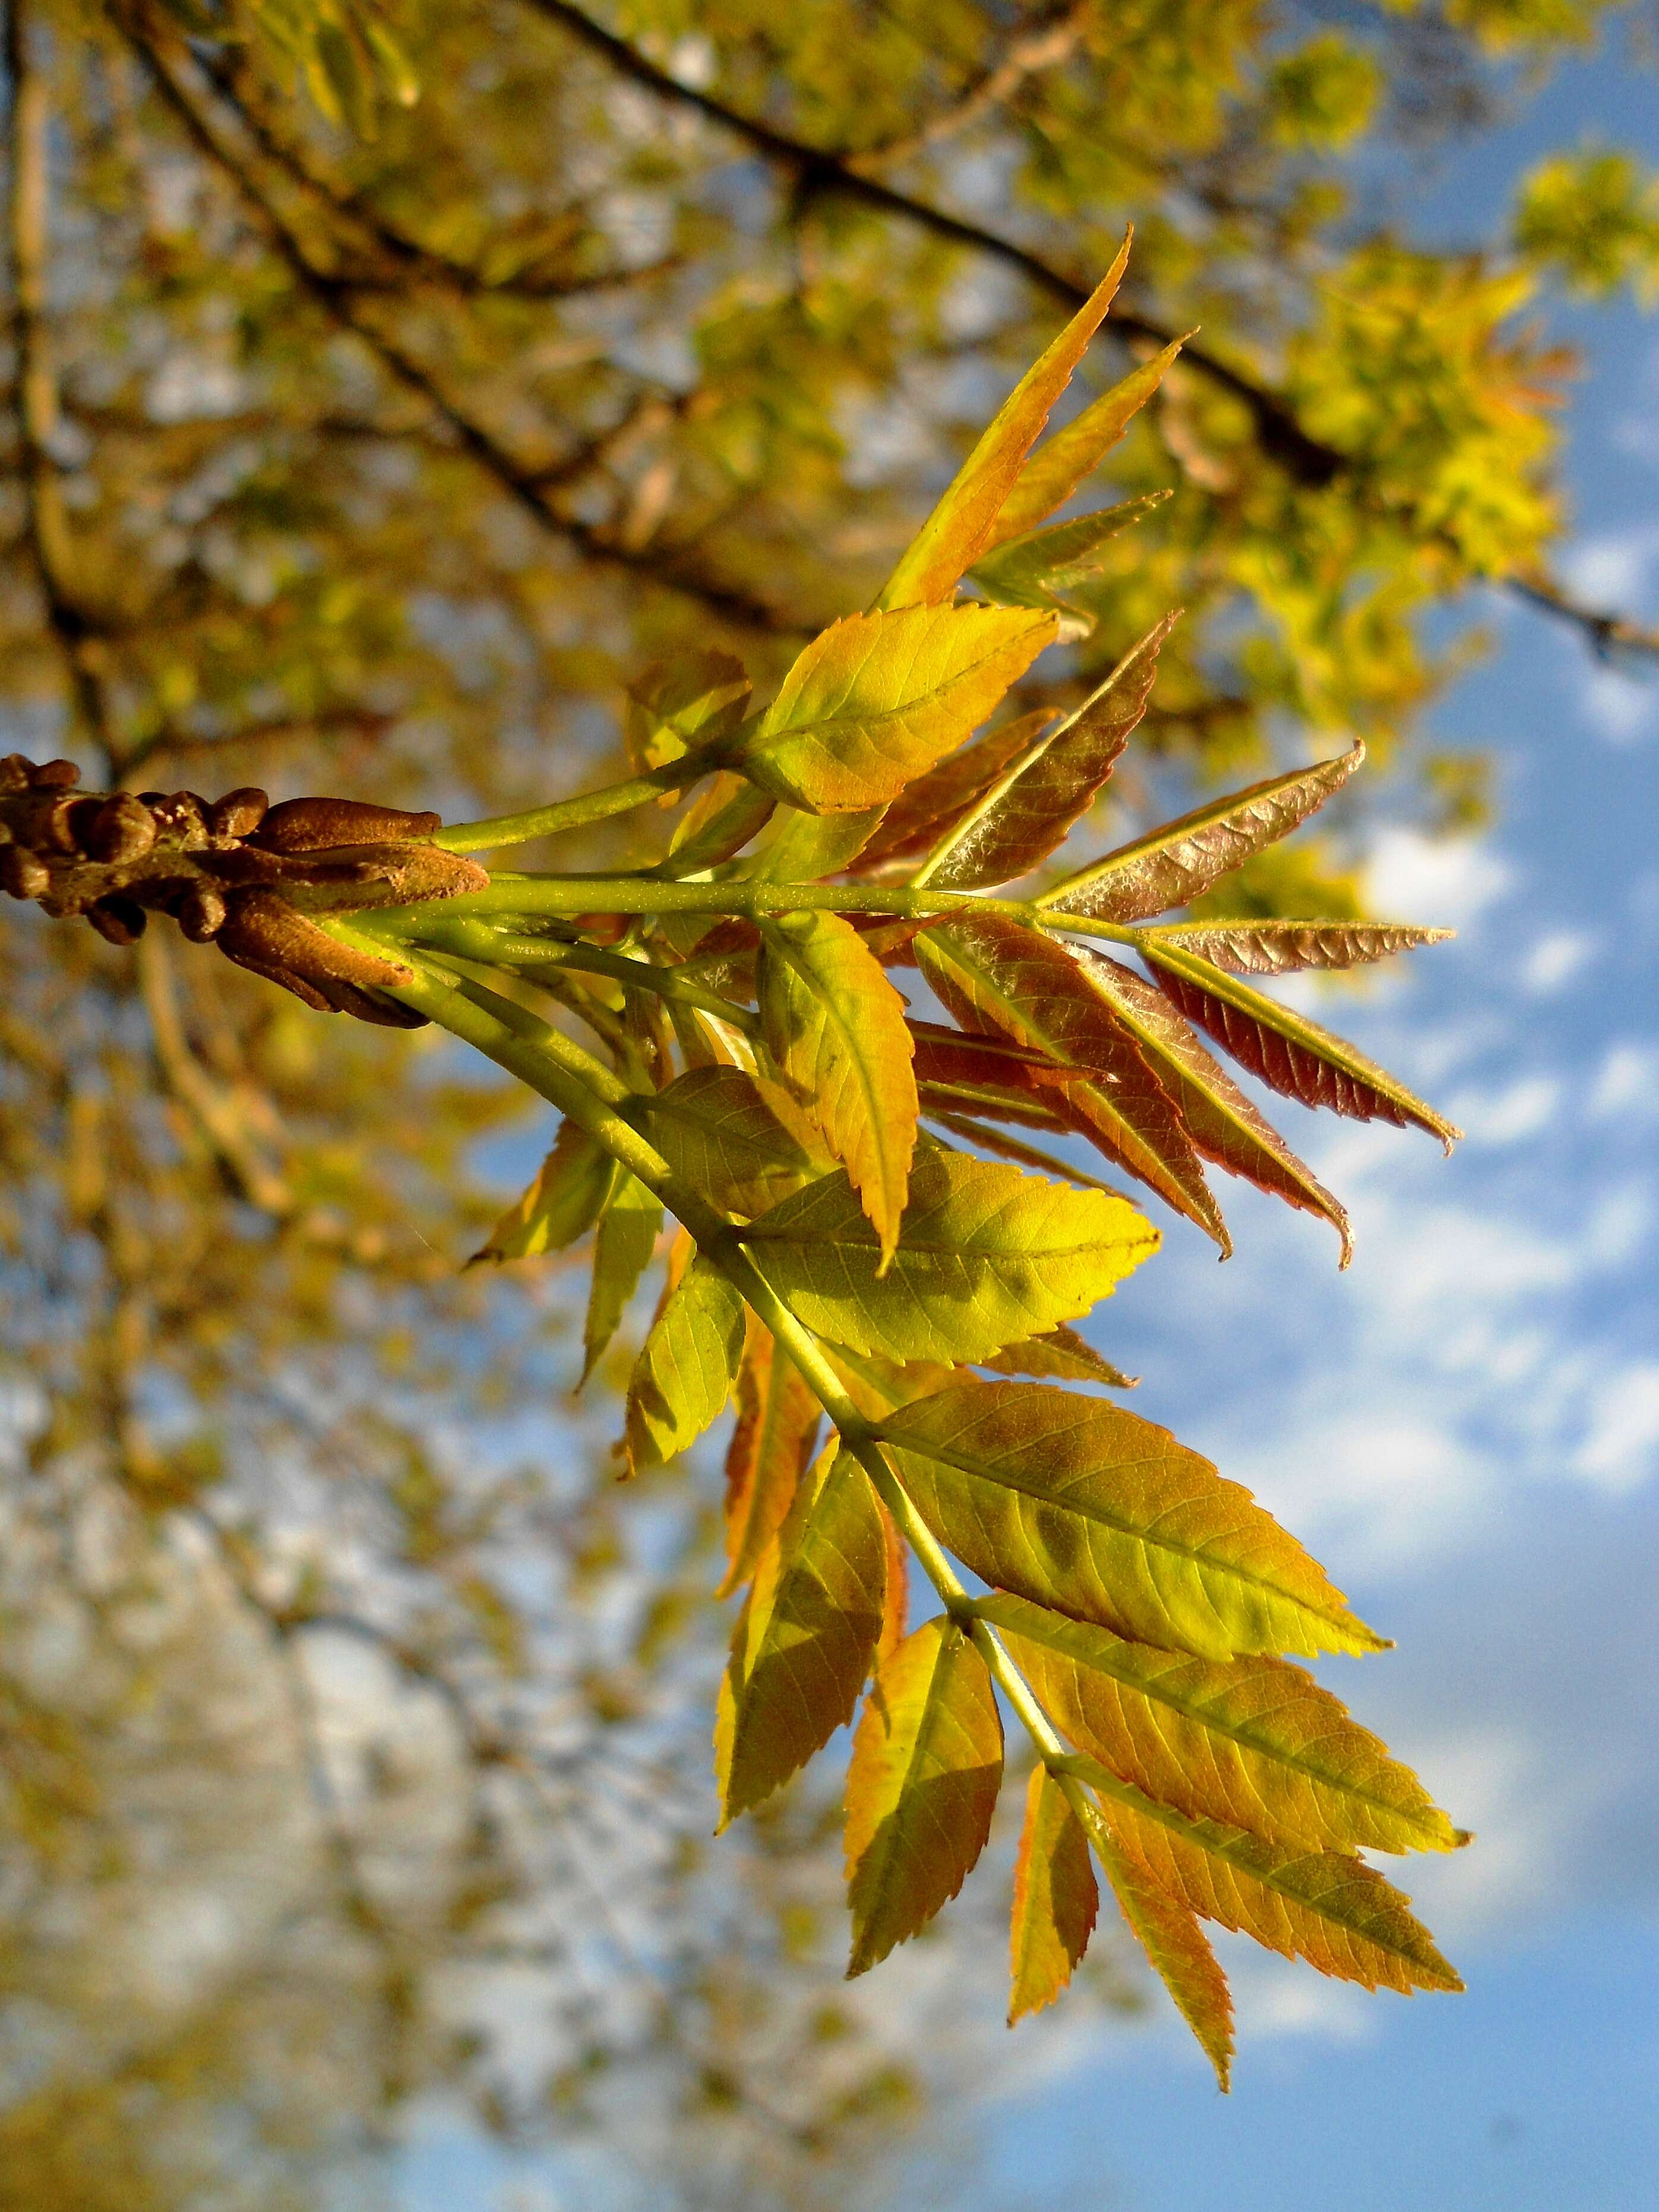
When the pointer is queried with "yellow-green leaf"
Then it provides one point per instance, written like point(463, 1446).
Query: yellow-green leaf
point(1037, 569)
point(776, 1426)
point(960, 526)
point(1059, 466)
point(835, 1027)
point(877, 698)
point(1062, 1356)
point(921, 1787)
point(1327, 1907)
point(986, 1254)
point(716, 1131)
point(696, 696)
point(1077, 1504)
point(562, 1205)
point(686, 1367)
point(805, 1639)
point(1172, 865)
point(622, 1253)
point(1255, 1741)
point(1177, 1947)
point(1055, 1899)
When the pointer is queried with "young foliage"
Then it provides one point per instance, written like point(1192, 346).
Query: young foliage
point(846, 1251)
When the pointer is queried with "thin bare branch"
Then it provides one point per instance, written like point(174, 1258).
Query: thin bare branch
point(1043, 46)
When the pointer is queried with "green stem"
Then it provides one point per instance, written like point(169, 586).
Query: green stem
point(750, 896)
point(578, 813)
point(588, 1092)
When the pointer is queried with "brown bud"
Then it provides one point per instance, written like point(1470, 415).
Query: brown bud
point(121, 830)
point(14, 774)
point(308, 825)
point(121, 920)
point(55, 826)
point(22, 874)
point(386, 1013)
point(238, 813)
point(179, 815)
point(55, 775)
point(199, 911)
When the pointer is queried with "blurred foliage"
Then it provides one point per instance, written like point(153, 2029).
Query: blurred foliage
point(356, 442)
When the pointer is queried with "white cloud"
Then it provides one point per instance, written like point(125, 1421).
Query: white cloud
point(1622, 1447)
point(1448, 881)
point(1557, 959)
point(1626, 1085)
point(1616, 566)
point(1620, 708)
point(1507, 1116)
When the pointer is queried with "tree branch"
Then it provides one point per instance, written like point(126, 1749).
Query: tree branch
point(337, 295)
point(1044, 46)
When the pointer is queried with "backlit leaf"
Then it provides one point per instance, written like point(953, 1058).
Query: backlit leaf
point(1079, 1504)
point(1286, 1050)
point(697, 695)
point(1011, 834)
point(921, 1787)
point(961, 526)
point(1255, 1741)
point(876, 698)
point(996, 976)
point(806, 1635)
point(686, 1368)
point(1220, 1120)
point(717, 1132)
point(1055, 1899)
point(986, 1254)
point(1177, 1947)
point(835, 1028)
point(1327, 1907)
point(1279, 948)
point(622, 1252)
point(925, 808)
point(1035, 570)
point(561, 1204)
point(1171, 866)
point(802, 849)
point(1062, 1356)
point(1006, 1147)
point(776, 1427)
point(1053, 472)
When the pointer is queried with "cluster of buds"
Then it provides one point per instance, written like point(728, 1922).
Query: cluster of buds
point(235, 871)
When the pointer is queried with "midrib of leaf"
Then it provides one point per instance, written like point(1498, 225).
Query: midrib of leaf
point(1008, 1613)
point(1005, 1478)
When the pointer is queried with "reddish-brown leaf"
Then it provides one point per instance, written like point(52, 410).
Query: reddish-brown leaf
point(1172, 865)
point(925, 808)
point(1008, 836)
point(997, 976)
point(1279, 948)
point(1289, 1053)
point(776, 1427)
point(1217, 1115)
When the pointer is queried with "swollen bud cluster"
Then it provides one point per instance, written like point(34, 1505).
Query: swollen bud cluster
point(238, 872)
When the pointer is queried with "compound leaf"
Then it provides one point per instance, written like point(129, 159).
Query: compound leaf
point(1056, 1900)
point(806, 1635)
point(921, 1788)
point(835, 1028)
point(985, 1255)
point(1080, 1506)
point(877, 698)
